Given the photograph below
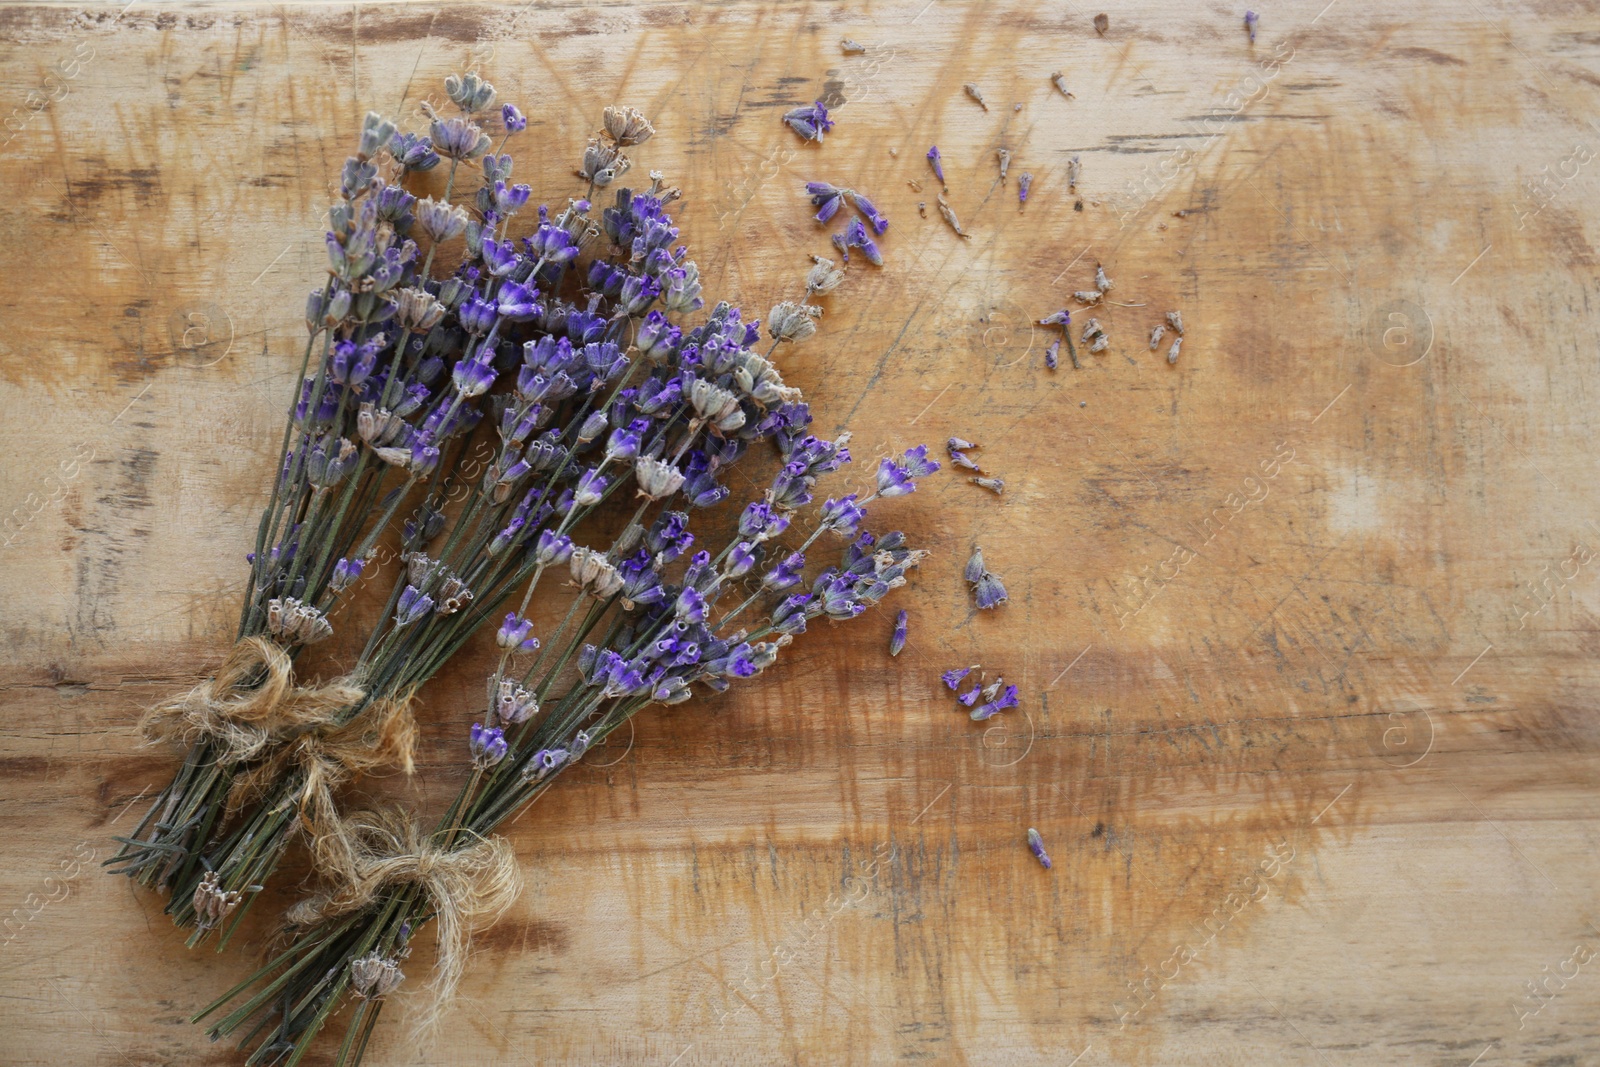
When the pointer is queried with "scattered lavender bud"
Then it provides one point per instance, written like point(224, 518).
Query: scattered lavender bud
point(1005, 162)
point(1101, 24)
point(934, 159)
point(851, 48)
point(957, 444)
point(1175, 320)
point(1172, 353)
point(950, 216)
point(974, 569)
point(952, 677)
point(824, 277)
point(1091, 330)
point(1059, 80)
point(488, 745)
point(1074, 172)
point(842, 246)
point(1101, 282)
point(972, 91)
point(994, 485)
point(826, 198)
point(995, 705)
point(1088, 296)
point(1250, 19)
point(922, 208)
point(993, 688)
point(874, 217)
point(1099, 345)
point(1024, 184)
point(1052, 354)
point(1016, 107)
point(1156, 334)
point(809, 122)
point(789, 321)
point(960, 459)
point(970, 697)
point(1035, 842)
point(855, 236)
point(898, 640)
point(515, 121)
point(989, 591)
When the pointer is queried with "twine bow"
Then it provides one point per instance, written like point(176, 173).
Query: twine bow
point(469, 885)
point(252, 712)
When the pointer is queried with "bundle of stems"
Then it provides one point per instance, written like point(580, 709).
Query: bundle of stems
point(669, 417)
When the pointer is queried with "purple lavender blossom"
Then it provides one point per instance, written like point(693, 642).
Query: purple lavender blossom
point(934, 160)
point(1036, 846)
point(516, 632)
point(499, 256)
point(842, 515)
point(809, 122)
point(826, 198)
point(414, 604)
point(988, 592)
point(841, 246)
point(488, 745)
point(517, 302)
point(513, 118)
point(1007, 699)
point(1250, 19)
point(897, 641)
point(874, 217)
point(855, 236)
point(1024, 185)
point(1052, 354)
point(786, 573)
point(413, 151)
point(472, 378)
point(952, 677)
point(897, 477)
point(970, 697)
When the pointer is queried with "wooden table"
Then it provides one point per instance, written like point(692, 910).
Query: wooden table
point(1304, 625)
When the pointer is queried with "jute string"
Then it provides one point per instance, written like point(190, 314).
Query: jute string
point(251, 712)
point(469, 883)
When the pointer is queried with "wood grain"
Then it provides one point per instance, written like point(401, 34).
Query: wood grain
point(1378, 222)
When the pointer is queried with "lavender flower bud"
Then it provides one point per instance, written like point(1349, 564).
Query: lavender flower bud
point(974, 569)
point(988, 591)
point(472, 378)
point(552, 548)
point(787, 573)
point(513, 118)
point(441, 221)
point(935, 161)
point(842, 516)
point(477, 316)
point(742, 558)
point(488, 745)
point(514, 633)
point(824, 277)
point(373, 977)
point(627, 126)
point(544, 762)
point(682, 292)
point(855, 236)
point(376, 131)
point(469, 92)
point(591, 488)
point(1024, 184)
point(952, 678)
point(458, 138)
point(874, 218)
point(345, 572)
point(515, 704)
point(413, 151)
point(1036, 846)
point(414, 604)
point(624, 440)
point(897, 640)
point(1007, 699)
point(811, 122)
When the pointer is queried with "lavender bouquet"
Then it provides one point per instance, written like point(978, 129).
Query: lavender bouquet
point(649, 620)
point(401, 387)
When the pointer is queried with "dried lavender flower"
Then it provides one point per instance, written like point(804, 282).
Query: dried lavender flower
point(1100, 344)
point(1024, 185)
point(1074, 172)
point(957, 444)
point(1036, 842)
point(469, 92)
point(1101, 24)
point(972, 91)
point(1088, 296)
point(1172, 353)
point(1052, 354)
point(1059, 80)
point(1091, 330)
point(855, 236)
point(949, 215)
point(897, 640)
point(212, 903)
point(994, 485)
point(373, 977)
point(995, 704)
point(1101, 282)
point(627, 126)
point(823, 277)
point(988, 591)
point(1156, 333)
point(487, 744)
point(974, 569)
point(851, 48)
point(960, 459)
point(789, 321)
point(1250, 20)
point(952, 678)
point(936, 161)
point(1175, 320)
point(1004, 156)
point(810, 122)
point(876, 219)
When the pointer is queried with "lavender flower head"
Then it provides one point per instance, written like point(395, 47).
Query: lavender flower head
point(952, 677)
point(810, 122)
point(988, 592)
point(515, 121)
point(1007, 699)
point(1036, 846)
point(877, 220)
point(1024, 184)
point(936, 161)
point(897, 641)
point(855, 236)
point(487, 744)
point(897, 477)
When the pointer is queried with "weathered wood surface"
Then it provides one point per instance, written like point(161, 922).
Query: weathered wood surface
point(1378, 223)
